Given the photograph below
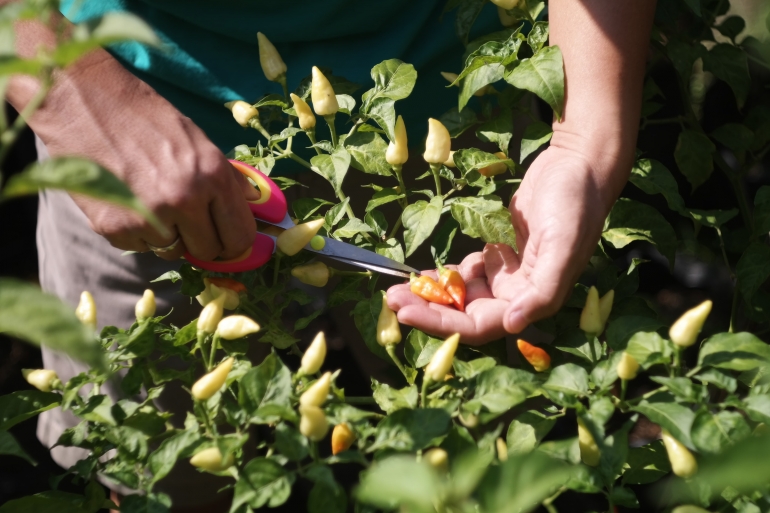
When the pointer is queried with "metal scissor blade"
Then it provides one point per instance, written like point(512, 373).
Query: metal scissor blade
point(360, 257)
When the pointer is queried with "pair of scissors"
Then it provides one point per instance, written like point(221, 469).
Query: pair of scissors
point(272, 209)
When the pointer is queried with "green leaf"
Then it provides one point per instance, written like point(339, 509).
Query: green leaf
point(367, 153)
point(568, 378)
point(713, 432)
point(419, 219)
point(30, 314)
point(535, 135)
point(10, 447)
point(734, 136)
point(442, 241)
point(267, 384)
point(333, 167)
point(467, 13)
point(290, 442)
point(677, 419)
point(23, 404)
point(498, 130)
point(377, 222)
point(631, 220)
point(605, 373)
point(730, 64)
point(335, 214)
point(306, 207)
point(151, 503)
point(753, 269)
point(762, 211)
point(542, 74)
point(383, 111)
point(420, 347)
point(390, 399)
point(473, 160)
point(382, 197)
point(719, 379)
point(501, 388)
point(79, 176)
point(683, 388)
point(262, 482)
point(471, 369)
point(478, 79)
point(537, 36)
point(410, 430)
point(350, 228)
point(393, 79)
point(712, 218)
point(527, 430)
point(327, 496)
point(649, 348)
point(40, 504)
point(625, 497)
point(646, 464)
point(694, 5)
point(758, 408)
point(693, 156)
point(365, 315)
point(622, 328)
point(484, 218)
point(575, 342)
point(458, 121)
point(392, 249)
point(734, 351)
point(653, 177)
point(399, 480)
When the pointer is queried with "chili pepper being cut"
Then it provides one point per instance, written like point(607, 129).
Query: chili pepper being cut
point(429, 289)
point(536, 356)
point(291, 241)
point(243, 112)
point(452, 282)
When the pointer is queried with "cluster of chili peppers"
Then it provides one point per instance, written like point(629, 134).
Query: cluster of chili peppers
point(448, 290)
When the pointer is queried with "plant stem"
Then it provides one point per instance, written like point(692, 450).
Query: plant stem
point(434, 169)
point(282, 81)
point(677, 361)
point(357, 124)
point(735, 182)
point(295, 350)
point(391, 349)
point(255, 124)
point(332, 129)
point(360, 400)
point(314, 451)
point(395, 228)
point(214, 346)
point(623, 388)
point(424, 391)
point(9, 136)
point(311, 135)
point(548, 503)
point(734, 308)
point(296, 158)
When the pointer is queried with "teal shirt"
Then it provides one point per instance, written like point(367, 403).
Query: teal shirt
point(211, 55)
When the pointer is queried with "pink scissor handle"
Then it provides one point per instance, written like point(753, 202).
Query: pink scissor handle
point(271, 206)
point(256, 256)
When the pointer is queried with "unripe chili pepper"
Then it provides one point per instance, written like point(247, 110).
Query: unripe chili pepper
point(452, 282)
point(315, 274)
point(388, 330)
point(210, 383)
point(211, 315)
point(428, 289)
point(236, 326)
point(317, 243)
point(242, 112)
point(44, 380)
point(689, 509)
point(304, 113)
point(86, 310)
point(315, 355)
point(683, 463)
point(605, 307)
point(506, 4)
point(145, 307)
point(313, 423)
point(342, 438)
point(471, 421)
point(438, 143)
point(590, 317)
point(437, 458)
point(589, 451)
point(450, 162)
point(316, 393)
point(322, 94)
point(495, 169)
point(398, 149)
point(295, 238)
point(211, 459)
point(536, 356)
point(442, 359)
point(506, 20)
point(685, 330)
point(272, 65)
point(628, 367)
point(502, 450)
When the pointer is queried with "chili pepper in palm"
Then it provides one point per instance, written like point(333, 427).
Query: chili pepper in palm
point(442, 359)
point(210, 383)
point(316, 393)
point(536, 356)
point(496, 168)
point(438, 143)
point(243, 112)
point(388, 329)
point(452, 282)
point(605, 306)
point(86, 310)
point(322, 94)
point(628, 367)
point(589, 451)
point(683, 463)
point(211, 459)
point(313, 423)
point(315, 355)
point(429, 289)
point(44, 380)
point(437, 458)
point(145, 307)
point(304, 113)
point(684, 332)
point(291, 241)
point(342, 438)
point(398, 149)
point(590, 317)
point(272, 65)
point(315, 274)
point(236, 326)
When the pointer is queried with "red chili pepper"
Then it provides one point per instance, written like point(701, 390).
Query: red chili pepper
point(428, 289)
point(537, 357)
point(228, 283)
point(453, 283)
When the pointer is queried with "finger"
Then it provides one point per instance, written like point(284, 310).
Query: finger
point(430, 272)
point(250, 192)
point(400, 296)
point(500, 263)
point(175, 254)
point(472, 267)
point(477, 288)
point(199, 235)
point(232, 218)
point(477, 326)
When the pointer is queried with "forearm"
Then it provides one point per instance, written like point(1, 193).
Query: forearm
point(604, 45)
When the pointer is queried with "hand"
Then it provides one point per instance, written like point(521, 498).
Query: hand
point(558, 214)
point(106, 114)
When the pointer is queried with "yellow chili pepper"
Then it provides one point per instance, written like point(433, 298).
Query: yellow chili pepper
point(272, 65)
point(242, 112)
point(210, 383)
point(506, 20)
point(438, 143)
point(211, 315)
point(507, 4)
point(502, 450)
point(211, 459)
point(450, 162)
point(589, 451)
point(316, 394)
point(226, 287)
point(322, 94)
point(605, 307)
point(304, 113)
point(44, 380)
point(86, 310)
point(315, 274)
point(683, 463)
point(313, 423)
point(686, 329)
point(442, 359)
point(145, 307)
point(398, 149)
point(236, 326)
point(590, 317)
point(315, 355)
point(291, 241)
point(495, 169)
point(437, 458)
point(628, 367)
point(689, 509)
point(388, 330)
point(342, 438)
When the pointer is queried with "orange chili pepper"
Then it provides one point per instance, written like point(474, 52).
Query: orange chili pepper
point(428, 289)
point(536, 356)
point(452, 281)
point(231, 284)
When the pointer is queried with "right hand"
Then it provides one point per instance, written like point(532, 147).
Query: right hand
point(104, 113)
